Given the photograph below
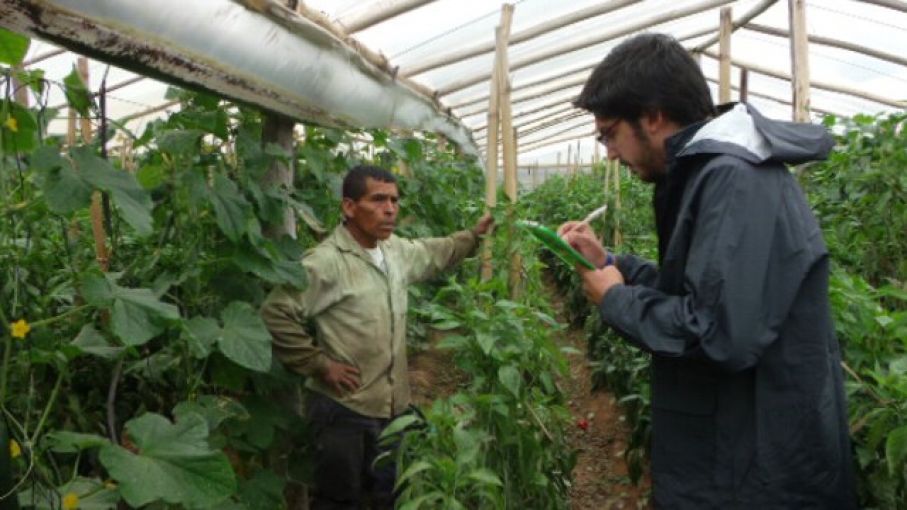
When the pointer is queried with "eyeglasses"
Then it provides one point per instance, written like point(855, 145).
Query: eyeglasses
point(606, 134)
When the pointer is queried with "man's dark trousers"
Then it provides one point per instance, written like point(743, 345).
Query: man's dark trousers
point(346, 445)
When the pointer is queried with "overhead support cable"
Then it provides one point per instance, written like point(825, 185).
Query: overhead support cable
point(813, 83)
point(377, 12)
point(743, 20)
point(834, 43)
point(522, 36)
point(590, 41)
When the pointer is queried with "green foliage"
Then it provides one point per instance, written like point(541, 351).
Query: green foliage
point(13, 47)
point(860, 197)
point(498, 443)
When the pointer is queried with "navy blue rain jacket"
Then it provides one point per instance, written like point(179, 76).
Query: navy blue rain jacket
point(748, 407)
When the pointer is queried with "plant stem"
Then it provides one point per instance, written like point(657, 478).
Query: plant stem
point(47, 408)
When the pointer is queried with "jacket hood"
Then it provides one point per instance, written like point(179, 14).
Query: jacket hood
point(744, 132)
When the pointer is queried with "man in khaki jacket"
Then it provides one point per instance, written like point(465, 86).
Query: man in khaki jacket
point(356, 365)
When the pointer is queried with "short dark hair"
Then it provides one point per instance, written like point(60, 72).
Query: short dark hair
point(354, 184)
point(647, 73)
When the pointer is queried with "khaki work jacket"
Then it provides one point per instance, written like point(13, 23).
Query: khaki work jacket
point(359, 314)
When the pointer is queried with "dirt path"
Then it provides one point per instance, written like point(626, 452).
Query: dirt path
point(599, 433)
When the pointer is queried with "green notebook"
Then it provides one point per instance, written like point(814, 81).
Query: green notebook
point(553, 242)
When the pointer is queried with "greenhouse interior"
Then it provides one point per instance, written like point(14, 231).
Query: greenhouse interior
point(567, 275)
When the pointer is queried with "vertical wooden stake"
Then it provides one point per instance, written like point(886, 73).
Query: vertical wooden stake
point(97, 214)
point(744, 84)
point(724, 56)
point(491, 168)
point(799, 52)
point(618, 238)
point(279, 130)
point(20, 91)
point(509, 142)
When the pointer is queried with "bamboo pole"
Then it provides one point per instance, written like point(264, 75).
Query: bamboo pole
point(279, 130)
point(618, 237)
point(20, 90)
point(378, 12)
point(525, 35)
point(746, 18)
point(491, 163)
point(891, 4)
point(724, 56)
point(799, 52)
point(509, 142)
point(744, 85)
point(97, 214)
point(575, 45)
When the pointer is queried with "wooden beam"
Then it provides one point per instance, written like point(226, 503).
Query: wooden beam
point(785, 101)
point(724, 56)
point(828, 41)
point(42, 57)
point(149, 111)
point(557, 87)
point(377, 12)
point(891, 4)
point(799, 59)
point(583, 43)
point(755, 68)
point(746, 18)
point(525, 35)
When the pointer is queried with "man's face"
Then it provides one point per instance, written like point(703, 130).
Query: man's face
point(374, 215)
point(633, 146)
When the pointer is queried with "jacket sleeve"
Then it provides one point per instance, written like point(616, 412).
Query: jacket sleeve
point(637, 271)
point(424, 258)
point(736, 292)
point(287, 310)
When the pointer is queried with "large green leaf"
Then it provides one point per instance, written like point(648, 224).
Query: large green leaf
point(90, 341)
point(201, 334)
point(64, 189)
point(244, 339)
point(179, 141)
point(137, 314)
point(230, 207)
point(77, 95)
point(263, 492)
point(896, 450)
point(214, 408)
point(174, 464)
point(133, 200)
point(64, 441)
point(13, 47)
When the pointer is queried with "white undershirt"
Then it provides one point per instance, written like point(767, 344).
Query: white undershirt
point(378, 257)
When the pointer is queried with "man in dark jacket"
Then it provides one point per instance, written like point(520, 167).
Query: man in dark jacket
point(748, 407)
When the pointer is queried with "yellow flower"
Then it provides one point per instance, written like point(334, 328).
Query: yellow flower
point(12, 124)
point(20, 328)
point(15, 450)
point(70, 501)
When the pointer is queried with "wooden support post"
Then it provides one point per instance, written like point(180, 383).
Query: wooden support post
point(279, 130)
point(724, 54)
point(569, 157)
point(618, 238)
point(744, 84)
point(509, 144)
point(96, 210)
point(799, 51)
point(535, 175)
point(491, 168)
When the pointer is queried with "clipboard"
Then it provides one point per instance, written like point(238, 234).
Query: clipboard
point(555, 244)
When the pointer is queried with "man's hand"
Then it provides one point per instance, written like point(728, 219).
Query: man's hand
point(342, 378)
point(578, 235)
point(597, 283)
point(483, 226)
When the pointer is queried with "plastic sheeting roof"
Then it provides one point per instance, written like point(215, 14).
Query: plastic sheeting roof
point(440, 28)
